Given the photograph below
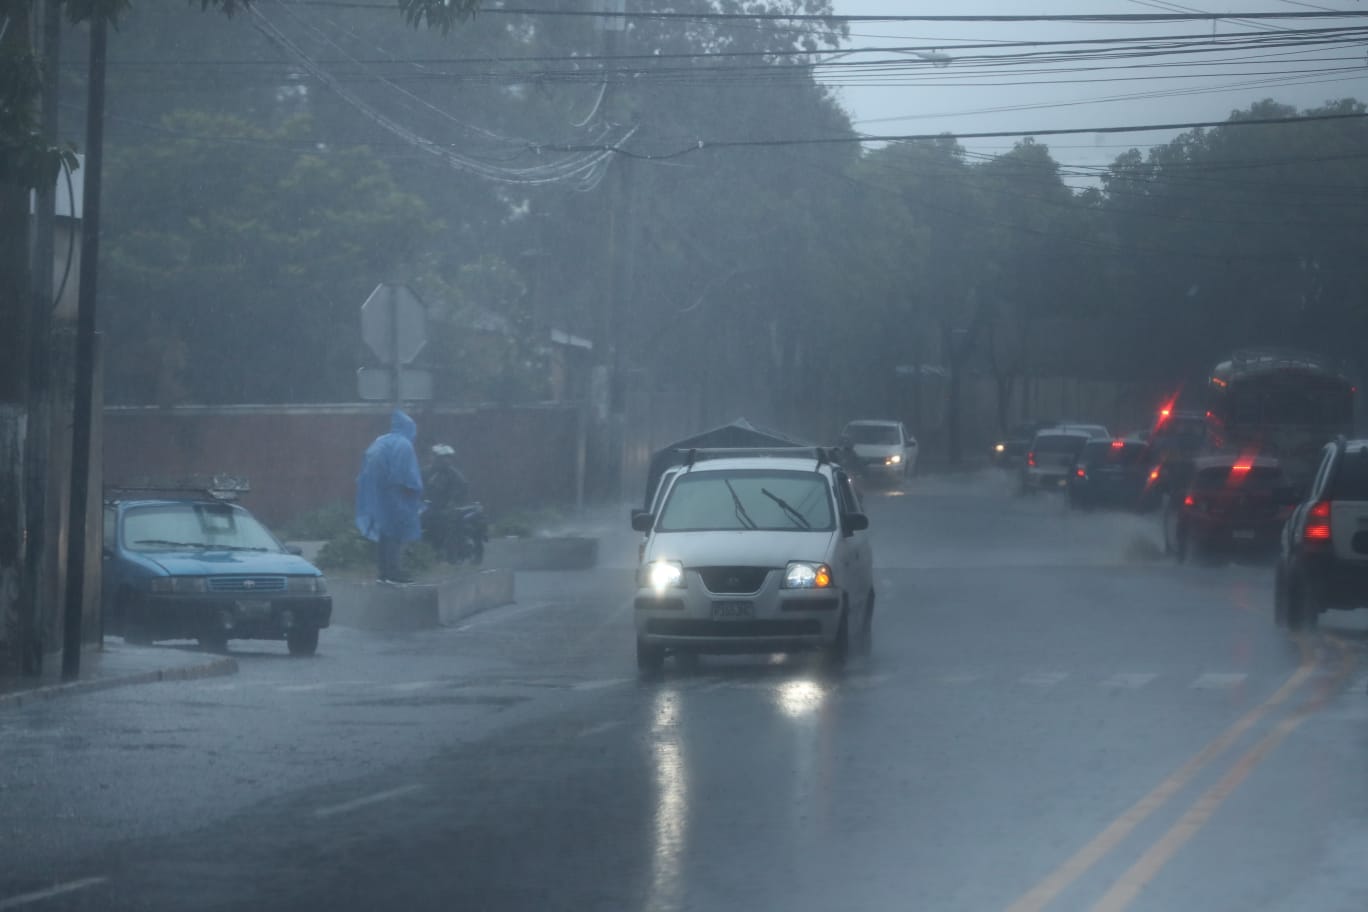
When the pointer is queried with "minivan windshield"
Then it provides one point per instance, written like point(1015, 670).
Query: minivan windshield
point(748, 499)
point(873, 434)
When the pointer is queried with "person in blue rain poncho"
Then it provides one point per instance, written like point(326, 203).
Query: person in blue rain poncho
point(389, 495)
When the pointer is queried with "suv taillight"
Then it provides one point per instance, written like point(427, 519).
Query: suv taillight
point(1030, 459)
point(1189, 501)
point(1318, 523)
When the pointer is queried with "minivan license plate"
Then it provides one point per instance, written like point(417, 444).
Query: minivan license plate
point(732, 611)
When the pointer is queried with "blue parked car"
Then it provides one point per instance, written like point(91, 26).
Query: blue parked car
point(194, 566)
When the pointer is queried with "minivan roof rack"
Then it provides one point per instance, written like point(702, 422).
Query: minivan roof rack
point(694, 455)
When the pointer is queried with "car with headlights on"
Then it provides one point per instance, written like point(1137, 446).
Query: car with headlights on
point(755, 551)
point(185, 565)
point(882, 449)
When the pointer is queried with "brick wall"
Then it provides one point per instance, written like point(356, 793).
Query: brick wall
point(300, 458)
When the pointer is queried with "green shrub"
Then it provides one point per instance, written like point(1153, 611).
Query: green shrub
point(323, 524)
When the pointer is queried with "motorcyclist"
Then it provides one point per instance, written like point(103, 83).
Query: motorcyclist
point(446, 487)
point(446, 519)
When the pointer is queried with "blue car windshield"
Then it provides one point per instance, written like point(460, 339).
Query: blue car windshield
point(195, 526)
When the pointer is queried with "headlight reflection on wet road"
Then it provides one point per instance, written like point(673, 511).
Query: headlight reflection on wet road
point(671, 810)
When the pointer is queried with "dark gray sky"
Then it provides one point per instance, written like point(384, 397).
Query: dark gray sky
point(970, 94)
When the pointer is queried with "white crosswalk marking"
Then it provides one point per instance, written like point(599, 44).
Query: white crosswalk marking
point(1043, 678)
point(1127, 680)
point(597, 685)
point(1214, 680)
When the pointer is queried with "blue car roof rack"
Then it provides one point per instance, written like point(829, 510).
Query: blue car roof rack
point(225, 488)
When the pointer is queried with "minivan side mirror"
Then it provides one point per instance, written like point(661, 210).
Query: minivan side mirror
point(855, 522)
point(642, 521)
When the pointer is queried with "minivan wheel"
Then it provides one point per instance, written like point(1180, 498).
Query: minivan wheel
point(650, 659)
point(866, 641)
point(839, 650)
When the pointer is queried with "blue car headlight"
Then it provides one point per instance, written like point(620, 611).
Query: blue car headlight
point(179, 585)
point(313, 584)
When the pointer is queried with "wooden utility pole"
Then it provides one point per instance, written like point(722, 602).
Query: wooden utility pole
point(83, 410)
point(42, 303)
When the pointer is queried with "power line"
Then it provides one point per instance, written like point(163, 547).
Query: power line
point(847, 19)
point(700, 144)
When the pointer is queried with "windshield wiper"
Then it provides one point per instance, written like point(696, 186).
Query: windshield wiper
point(741, 513)
point(797, 518)
point(168, 543)
point(204, 546)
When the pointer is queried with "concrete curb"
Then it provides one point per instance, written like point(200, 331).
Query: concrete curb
point(213, 669)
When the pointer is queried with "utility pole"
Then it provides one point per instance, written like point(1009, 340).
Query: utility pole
point(618, 202)
point(15, 45)
point(83, 410)
point(39, 406)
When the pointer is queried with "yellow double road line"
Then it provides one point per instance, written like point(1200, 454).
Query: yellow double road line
point(1124, 891)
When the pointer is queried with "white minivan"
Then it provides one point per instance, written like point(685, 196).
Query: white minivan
point(883, 448)
point(752, 554)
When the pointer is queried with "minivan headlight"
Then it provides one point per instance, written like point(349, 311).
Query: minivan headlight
point(663, 574)
point(894, 459)
point(807, 575)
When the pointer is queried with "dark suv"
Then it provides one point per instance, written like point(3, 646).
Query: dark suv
point(1323, 560)
point(1110, 473)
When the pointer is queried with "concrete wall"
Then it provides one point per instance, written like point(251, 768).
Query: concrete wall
point(299, 458)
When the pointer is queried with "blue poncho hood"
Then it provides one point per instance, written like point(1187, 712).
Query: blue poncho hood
point(389, 490)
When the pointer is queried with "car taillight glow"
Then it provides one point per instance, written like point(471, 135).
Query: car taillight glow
point(1081, 473)
point(1318, 522)
point(1240, 468)
point(1154, 476)
point(1189, 501)
point(1030, 459)
point(1118, 444)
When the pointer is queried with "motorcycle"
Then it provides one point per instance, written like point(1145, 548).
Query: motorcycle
point(458, 533)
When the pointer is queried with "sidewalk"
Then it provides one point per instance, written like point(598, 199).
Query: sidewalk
point(116, 665)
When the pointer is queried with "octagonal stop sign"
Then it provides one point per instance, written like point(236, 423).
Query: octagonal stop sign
point(394, 324)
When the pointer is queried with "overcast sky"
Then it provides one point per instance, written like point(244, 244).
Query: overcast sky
point(911, 95)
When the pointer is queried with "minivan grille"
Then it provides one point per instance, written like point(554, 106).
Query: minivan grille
point(733, 580)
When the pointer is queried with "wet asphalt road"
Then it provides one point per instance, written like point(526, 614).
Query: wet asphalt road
point(1051, 720)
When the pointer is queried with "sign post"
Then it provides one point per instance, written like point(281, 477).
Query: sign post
point(394, 327)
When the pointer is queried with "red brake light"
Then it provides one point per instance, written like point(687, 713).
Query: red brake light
point(1189, 501)
point(1318, 522)
point(1240, 468)
point(1030, 459)
point(1081, 473)
point(1154, 476)
point(1118, 444)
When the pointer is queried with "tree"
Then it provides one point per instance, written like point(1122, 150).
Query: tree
point(226, 283)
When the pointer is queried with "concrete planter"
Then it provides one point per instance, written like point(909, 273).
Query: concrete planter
point(560, 553)
point(391, 608)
